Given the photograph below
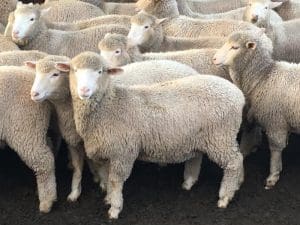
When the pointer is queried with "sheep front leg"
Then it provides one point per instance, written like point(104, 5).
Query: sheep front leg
point(232, 179)
point(277, 142)
point(77, 159)
point(192, 169)
point(251, 139)
point(119, 171)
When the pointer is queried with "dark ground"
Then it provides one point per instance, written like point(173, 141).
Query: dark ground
point(153, 196)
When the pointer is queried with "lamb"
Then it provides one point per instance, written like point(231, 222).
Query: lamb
point(147, 32)
point(285, 35)
point(264, 81)
point(6, 7)
point(35, 35)
point(117, 51)
point(17, 58)
point(216, 6)
point(24, 127)
point(181, 26)
point(156, 142)
point(6, 44)
point(70, 11)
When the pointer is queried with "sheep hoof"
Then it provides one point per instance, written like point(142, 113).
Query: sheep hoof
point(223, 202)
point(271, 181)
point(188, 184)
point(73, 196)
point(45, 207)
point(107, 200)
point(102, 186)
point(113, 213)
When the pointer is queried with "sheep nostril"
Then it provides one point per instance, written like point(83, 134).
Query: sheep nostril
point(35, 94)
point(254, 18)
point(84, 90)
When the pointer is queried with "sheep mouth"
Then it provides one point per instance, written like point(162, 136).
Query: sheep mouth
point(21, 41)
point(39, 99)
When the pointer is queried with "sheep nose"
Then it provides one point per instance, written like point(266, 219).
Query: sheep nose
point(254, 18)
point(34, 94)
point(84, 90)
point(15, 34)
point(214, 59)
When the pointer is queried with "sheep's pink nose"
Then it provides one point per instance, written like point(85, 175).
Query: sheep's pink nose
point(34, 94)
point(254, 18)
point(84, 90)
point(214, 59)
point(15, 34)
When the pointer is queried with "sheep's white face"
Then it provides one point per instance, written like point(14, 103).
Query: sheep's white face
point(87, 81)
point(258, 11)
point(225, 56)
point(47, 85)
point(140, 34)
point(23, 25)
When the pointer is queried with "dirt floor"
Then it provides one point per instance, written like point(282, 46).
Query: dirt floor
point(153, 195)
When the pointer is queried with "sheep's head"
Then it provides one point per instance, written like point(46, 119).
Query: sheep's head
point(51, 81)
point(148, 6)
point(145, 30)
point(114, 48)
point(89, 74)
point(258, 11)
point(243, 47)
point(26, 18)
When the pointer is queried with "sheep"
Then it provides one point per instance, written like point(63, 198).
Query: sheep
point(17, 58)
point(58, 94)
point(6, 44)
point(181, 26)
point(147, 32)
point(216, 6)
point(289, 10)
point(117, 135)
point(271, 88)
point(117, 51)
point(6, 7)
point(70, 11)
point(35, 34)
point(24, 126)
point(285, 35)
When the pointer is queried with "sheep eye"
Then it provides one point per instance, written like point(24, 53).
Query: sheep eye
point(100, 71)
point(266, 7)
point(55, 75)
point(117, 52)
point(146, 27)
point(32, 19)
point(234, 47)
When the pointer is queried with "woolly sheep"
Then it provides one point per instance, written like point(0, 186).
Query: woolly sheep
point(147, 32)
point(121, 136)
point(24, 127)
point(285, 35)
point(289, 10)
point(6, 7)
point(35, 34)
point(17, 58)
point(6, 44)
point(117, 51)
point(248, 56)
point(216, 6)
point(181, 26)
point(70, 11)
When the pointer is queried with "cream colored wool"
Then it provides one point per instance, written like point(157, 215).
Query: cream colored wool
point(6, 44)
point(6, 7)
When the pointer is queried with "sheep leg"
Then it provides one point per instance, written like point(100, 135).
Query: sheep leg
point(41, 161)
point(232, 179)
point(93, 170)
point(250, 140)
point(277, 142)
point(103, 174)
point(192, 169)
point(77, 159)
point(119, 171)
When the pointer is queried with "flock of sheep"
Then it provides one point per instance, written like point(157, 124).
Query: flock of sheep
point(162, 81)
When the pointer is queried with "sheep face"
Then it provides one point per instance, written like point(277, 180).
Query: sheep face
point(50, 80)
point(26, 19)
point(258, 11)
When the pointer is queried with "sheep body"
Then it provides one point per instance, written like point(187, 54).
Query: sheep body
point(6, 44)
point(6, 7)
point(17, 58)
point(24, 126)
point(216, 6)
point(289, 10)
point(122, 105)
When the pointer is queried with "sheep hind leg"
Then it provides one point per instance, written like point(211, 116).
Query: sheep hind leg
point(77, 159)
point(232, 179)
point(277, 142)
point(118, 173)
point(192, 169)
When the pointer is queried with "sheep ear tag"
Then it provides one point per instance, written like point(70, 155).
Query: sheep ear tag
point(63, 67)
point(30, 64)
point(251, 45)
point(114, 71)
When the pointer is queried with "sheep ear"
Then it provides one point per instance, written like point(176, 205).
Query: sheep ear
point(251, 45)
point(30, 64)
point(45, 11)
point(63, 66)
point(114, 71)
point(19, 3)
point(160, 21)
point(274, 5)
